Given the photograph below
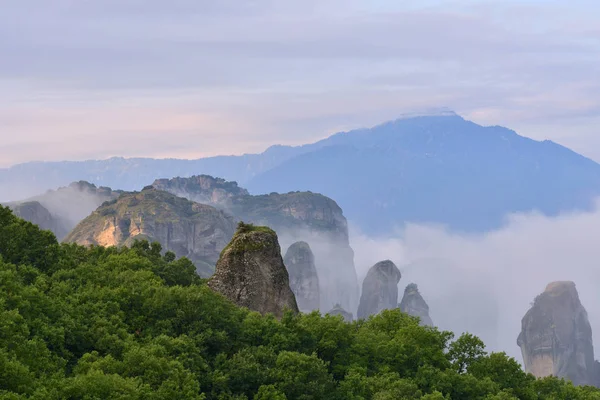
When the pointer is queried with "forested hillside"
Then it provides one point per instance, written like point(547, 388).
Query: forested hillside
point(134, 323)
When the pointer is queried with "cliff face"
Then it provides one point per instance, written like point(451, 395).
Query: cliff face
point(37, 214)
point(197, 231)
point(380, 289)
point(556, 337)
point(202, 189)
point(304, 280)
point(295, 216)
point(251, 272)
point(338, 310)
point(67, 206)
point(413, 304)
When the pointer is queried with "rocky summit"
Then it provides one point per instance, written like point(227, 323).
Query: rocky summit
point(413, 304)
point(39, 215)
point(304, 280)
point(251, 273)
point(556, 337)
point(203, 189)
point(338, 310)
point(295, 216)
point(62, 209)
point(196, 231)
point(380, 289)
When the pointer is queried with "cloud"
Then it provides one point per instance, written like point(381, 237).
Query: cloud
point(485, 283)
point(288, 72)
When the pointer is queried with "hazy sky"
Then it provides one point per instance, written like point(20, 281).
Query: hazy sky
point(190, 78)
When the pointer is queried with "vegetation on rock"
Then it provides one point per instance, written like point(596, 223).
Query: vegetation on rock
point(189, 229)
point(130, 323)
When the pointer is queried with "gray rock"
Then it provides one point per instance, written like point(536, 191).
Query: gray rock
point(67, 206)
point(413, 304)
point(304, 280)
point(39, 215)
point(556, 337)
point(380, 289)
point(295, 216)
point(251, 272)
point(338, 310)
point(196, 231)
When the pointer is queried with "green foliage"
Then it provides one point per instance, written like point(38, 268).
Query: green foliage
point(243, 227)
point(131, 323)
point(242, 242)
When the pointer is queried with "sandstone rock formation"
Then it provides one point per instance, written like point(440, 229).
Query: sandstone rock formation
point(295, 216)
point(37, 214)
point(251, 272)
point(338, 310)
point(67, 206)
point(413, 304)
point(380, 289)
point(556, 337)
point(203, 189)
point(197, 231)
point(304, 280)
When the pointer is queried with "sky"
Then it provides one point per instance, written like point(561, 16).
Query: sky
point(194, 78)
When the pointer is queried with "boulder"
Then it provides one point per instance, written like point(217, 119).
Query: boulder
point(304, 280)
point(556, 337)
point(251, 273)
point(413, 304)
point(338, 310)
point(380, 289)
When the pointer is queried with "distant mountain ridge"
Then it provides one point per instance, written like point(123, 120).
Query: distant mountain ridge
point(434, 168)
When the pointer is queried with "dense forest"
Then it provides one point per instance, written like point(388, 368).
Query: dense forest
point(137, 323)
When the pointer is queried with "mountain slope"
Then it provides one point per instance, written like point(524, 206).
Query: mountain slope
point(28, 179)
point(295, 216)
point(65, 206)
point(196, 231)
point(440, 169)
point(443, 170)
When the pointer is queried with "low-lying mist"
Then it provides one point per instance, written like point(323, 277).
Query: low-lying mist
point(484, 284)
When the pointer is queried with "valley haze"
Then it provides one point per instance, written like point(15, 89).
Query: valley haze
point(478, 278)
point(187, 188)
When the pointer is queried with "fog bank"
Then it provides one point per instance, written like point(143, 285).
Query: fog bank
point(484, 284)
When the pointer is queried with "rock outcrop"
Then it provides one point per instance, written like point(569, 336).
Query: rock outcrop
point(203, 189)
point(304, 280)
point(556, 337)
point(37, 214)
point(338, 310)
point(295, 216)
point(66, 206)
point(413, 304)
point(380, 289)
point(196, 231)
point(251, 272)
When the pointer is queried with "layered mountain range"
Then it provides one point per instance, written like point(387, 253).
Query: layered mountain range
point(437, 169)
point(195, 218)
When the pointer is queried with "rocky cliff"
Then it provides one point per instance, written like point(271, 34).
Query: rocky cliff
point(413, 304)
point(295, 216)
point(197, 231)
point(556, 337)
point(202, 189)
point(37, 214)
point(338, 310)
point(380, 289)
point(66, 206)
point(251, 273)
point(304, 280)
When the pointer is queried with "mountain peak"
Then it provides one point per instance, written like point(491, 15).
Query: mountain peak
point(429, 112)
